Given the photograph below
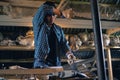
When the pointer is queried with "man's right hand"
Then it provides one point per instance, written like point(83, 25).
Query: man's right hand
point(56, 12)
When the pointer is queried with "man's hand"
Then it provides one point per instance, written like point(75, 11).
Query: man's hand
point(71, 59)
point(57, 12)
point(71, 56)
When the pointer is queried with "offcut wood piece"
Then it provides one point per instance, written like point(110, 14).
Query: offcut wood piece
point(31, 71)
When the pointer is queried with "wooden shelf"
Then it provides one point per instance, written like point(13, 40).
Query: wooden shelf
point(17, 60)
point(15, 48)
point(68, 23)
point(25, 48)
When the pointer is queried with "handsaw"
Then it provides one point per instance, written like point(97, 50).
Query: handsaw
point(73, 65)
point(62, 4)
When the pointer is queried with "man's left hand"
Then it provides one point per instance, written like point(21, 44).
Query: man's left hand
point(71, 56)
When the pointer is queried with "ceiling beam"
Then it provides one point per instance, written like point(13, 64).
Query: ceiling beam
point(23, 3)
point(4, 3)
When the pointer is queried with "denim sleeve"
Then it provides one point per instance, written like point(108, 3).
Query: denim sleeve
point(38, 20)
point(39, 16)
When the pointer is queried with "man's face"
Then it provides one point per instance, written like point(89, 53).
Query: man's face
point(50, 19)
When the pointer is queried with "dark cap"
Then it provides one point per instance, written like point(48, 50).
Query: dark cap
point(49, 13)
point(50, 3)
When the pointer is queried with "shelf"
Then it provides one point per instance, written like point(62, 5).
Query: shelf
point(25, 48)
point(30, 60)
point(63, 22)
point(15, 48)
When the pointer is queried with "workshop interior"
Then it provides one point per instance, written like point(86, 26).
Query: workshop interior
point(91, 28)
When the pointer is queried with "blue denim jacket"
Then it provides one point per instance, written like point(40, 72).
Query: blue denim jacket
point(41, 39)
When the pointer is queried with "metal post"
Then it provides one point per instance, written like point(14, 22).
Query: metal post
point(98, 41)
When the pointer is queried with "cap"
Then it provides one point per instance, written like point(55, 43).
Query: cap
point(49, 13)
point(50, 3)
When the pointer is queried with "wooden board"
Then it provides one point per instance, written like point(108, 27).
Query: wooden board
point(31, 71)
point(111, 31)
point(64, 23)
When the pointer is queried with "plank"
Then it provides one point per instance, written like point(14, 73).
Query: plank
point(111, 31)
point(31, 71)
point(73, 23)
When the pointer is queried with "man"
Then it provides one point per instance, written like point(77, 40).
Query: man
point(49, 38)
